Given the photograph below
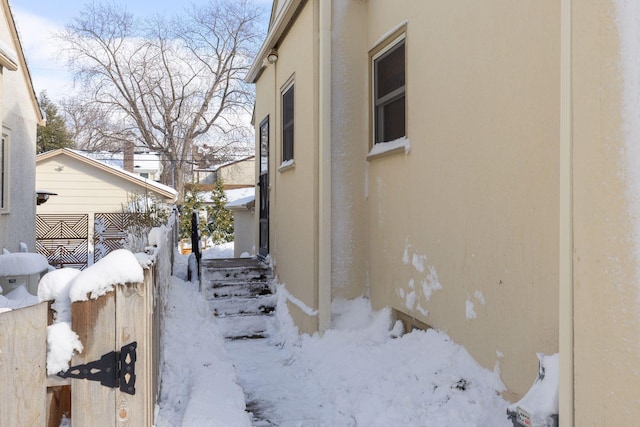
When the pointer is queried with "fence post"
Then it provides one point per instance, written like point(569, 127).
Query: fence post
point(195, 239)
point(23, 346)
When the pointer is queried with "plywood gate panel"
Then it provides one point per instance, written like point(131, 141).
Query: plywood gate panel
point(23, 349)
point(93, 405)
point(132, 326)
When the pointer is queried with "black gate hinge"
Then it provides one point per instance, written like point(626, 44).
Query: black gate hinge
point(114, 369)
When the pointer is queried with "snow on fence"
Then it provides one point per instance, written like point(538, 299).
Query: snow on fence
point(120, 329)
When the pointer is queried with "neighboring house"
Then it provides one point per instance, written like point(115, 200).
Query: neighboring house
point(464, 164)
point(145, 164)
point(20, 115)
point(236, 174)
point(87, 192)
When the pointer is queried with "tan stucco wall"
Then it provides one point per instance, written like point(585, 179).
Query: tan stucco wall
point(19, 120)
point(606, 320)
point(475, 201)
point(293, 193)
point(243, 232)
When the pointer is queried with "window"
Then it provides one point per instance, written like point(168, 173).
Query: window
point(4, 173)
point(287, 124)
point(389, 92)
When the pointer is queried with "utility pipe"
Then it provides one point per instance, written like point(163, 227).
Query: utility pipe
point(566, 327)
point(324, 166)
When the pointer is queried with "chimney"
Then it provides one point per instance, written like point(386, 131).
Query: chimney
point(128, 157)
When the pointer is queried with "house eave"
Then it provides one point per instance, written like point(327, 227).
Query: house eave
point(280, 26)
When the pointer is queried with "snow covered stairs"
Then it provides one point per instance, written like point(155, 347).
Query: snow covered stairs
point(239, 292)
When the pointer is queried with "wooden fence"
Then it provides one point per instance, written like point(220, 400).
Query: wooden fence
point(119, 331)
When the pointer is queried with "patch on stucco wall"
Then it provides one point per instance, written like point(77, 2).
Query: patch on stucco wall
point(423, 274)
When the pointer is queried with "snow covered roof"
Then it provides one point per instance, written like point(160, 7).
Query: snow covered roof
point(141, 161)
point(232, 195)
point(162, 189)
point(244, 202)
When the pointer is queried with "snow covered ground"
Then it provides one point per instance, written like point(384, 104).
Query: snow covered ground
point(362, 372)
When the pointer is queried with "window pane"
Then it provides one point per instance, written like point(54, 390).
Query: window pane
point(287, 125)
point(3, 174)
point(390, 71)
point(394, 120)
point(287, 143)
point(287, 106)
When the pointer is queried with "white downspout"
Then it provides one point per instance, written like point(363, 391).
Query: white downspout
point(566, 220)
point(324, 205)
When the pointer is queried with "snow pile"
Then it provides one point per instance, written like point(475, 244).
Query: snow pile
point(224, 250)
point(119, 267)
point(61, 340)
point(19, 266)
point(198, 381)
point(17, 298)
point(541, 401)
point(385, 147)
point(361, 373)
point(22, 264)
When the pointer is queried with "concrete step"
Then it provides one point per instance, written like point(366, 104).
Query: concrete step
point(240, 327)
point(243, 306)
point(234, 269)
point(213, 291)
point(235, 274)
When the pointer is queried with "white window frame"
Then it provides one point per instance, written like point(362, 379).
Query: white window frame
point(385, 47)
point(288, 86)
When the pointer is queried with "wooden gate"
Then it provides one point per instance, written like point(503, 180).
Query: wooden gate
point(119, 321)
point(63, 239)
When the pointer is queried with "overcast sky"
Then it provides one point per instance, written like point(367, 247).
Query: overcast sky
point(38, 19)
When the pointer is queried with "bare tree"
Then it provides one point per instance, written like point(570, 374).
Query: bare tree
point(91, 128)
point(172, 85)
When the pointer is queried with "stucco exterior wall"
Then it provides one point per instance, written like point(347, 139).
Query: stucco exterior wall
point(243, 220)
point(240, 174)
point(466, 223)
point(19, 121)
point(349, 120)
point(293, 192)
point(606, 320)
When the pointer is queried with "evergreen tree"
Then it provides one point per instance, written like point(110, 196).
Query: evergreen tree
point(192, 202)
point(219, 218)
point(54, 134)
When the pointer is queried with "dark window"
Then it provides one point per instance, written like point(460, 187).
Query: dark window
point(287, 125)
point(389, 94)
point(3, 173)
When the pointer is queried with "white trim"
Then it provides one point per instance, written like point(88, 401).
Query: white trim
point(389, 46)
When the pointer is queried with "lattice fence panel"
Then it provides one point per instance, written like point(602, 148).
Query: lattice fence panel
point(63, 239)
point(109, 232)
